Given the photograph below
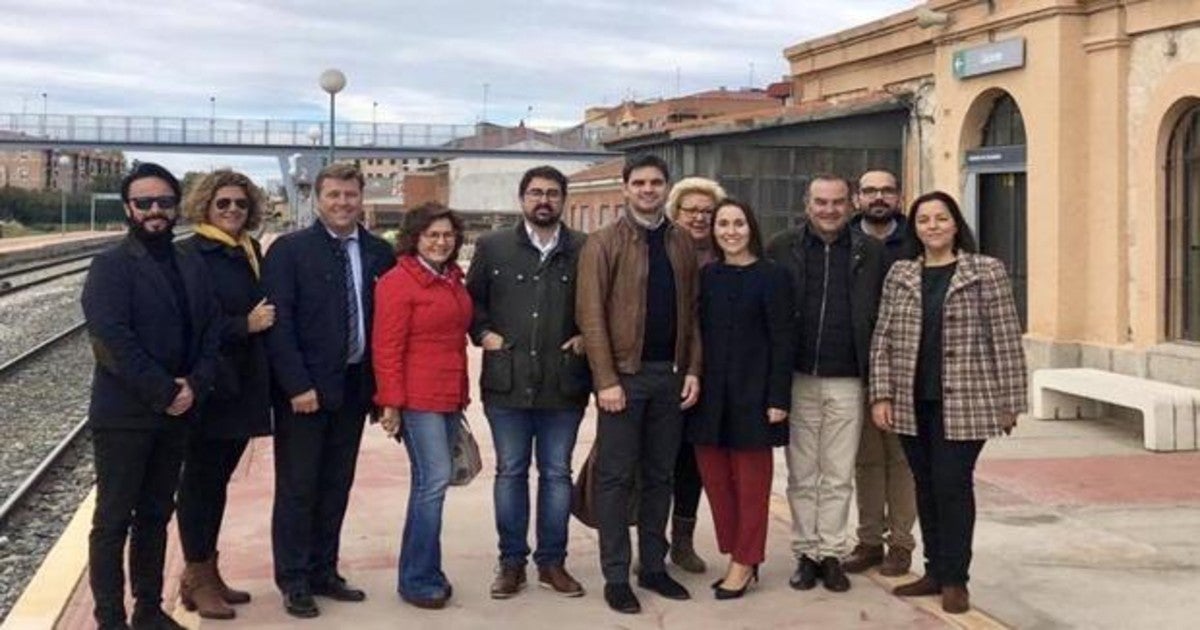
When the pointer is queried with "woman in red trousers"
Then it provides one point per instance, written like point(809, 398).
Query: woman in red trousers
point(746, 329)
point(422, 311)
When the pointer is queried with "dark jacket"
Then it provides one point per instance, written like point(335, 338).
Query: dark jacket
point(897, 244)
point(420, 341)
point(610, 303)
point(304, 279)
point(868, 265)
point(531, 304)
point(240, 404)
point(137, 336)
point(746, 322)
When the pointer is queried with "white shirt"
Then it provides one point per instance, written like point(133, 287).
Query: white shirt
point(544, 248)
point(352, 250)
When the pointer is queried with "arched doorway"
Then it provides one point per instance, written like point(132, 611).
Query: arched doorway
point(1183, 228)
point(996, 197)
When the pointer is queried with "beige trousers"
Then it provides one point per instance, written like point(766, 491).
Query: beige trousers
point(825, 421)
point(887, 504)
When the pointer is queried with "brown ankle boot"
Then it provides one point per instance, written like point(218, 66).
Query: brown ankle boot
point(955, 599)
point(862, 558)
point(230, 595)
point(683, 553)
point(896, 563)
point(924, 586)
point(198, 591)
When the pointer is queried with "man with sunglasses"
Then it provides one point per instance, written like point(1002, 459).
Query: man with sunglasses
point(152, 318)
point(322, 282)
point(535, 380)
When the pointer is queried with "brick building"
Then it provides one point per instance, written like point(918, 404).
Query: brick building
point(594, 195)
point(39, 169)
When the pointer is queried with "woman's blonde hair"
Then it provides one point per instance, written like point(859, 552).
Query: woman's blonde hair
point(689, 185)
point(200, 196)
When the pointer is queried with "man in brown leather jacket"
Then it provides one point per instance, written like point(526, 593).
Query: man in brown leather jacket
point(638, 285)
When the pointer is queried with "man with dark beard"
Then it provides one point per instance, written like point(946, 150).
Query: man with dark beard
point(883, 483)
point(535, 381)
point(152, 318)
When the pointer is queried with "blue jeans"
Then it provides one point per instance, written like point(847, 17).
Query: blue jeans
point(427, 437)
point(515, 434)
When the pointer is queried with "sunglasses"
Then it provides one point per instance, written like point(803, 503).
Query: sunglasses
point(223, 203)
point(166, 202)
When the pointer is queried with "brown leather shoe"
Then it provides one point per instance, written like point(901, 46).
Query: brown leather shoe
point(509, 581)
point(924, 586)
point(557, 579)
point(198, 591)
point(897, 562)
point(955, 599)
point(862, 558)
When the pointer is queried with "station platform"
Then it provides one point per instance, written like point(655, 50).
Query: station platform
point(19, 249)
point(1077, 527)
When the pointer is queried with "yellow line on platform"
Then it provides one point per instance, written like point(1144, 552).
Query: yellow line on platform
point(50, 590)
point(973, 619)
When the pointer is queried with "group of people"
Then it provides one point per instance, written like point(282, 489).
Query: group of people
point(886, 346)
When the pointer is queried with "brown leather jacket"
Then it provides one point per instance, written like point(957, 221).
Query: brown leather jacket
point(610, 299)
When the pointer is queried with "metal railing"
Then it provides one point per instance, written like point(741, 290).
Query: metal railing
point(152, 130)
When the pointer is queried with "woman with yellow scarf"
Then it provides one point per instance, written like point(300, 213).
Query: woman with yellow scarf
point(224, 207)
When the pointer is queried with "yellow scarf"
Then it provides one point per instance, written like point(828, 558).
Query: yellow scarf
point(215, 233)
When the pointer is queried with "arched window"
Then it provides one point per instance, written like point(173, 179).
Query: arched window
point(1183, 228)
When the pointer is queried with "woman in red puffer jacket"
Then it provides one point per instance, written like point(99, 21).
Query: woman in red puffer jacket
point(419, 345)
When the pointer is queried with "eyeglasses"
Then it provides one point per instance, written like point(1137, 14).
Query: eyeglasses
point(705, 212)
point(871, 191)
point(552, 194)
point(224, 202)
point(165, 202)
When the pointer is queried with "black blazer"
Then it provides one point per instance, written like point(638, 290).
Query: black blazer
point(746, 326)
point(240, 403)
point(137, 336)
point(304, 279)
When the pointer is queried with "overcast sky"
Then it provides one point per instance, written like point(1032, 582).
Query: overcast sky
point(422, 61)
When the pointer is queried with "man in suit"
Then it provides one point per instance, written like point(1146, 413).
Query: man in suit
point(837, 275)
point(151, 315)
point(321, 280)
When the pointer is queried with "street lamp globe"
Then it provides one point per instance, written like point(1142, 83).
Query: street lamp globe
point(314, 134)
point(332, 81)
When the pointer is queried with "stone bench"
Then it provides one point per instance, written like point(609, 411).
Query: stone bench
point(1170, 413)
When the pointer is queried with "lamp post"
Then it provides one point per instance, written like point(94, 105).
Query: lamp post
point(374, 125)
point(64, 164)
point(332, 81)
point(212, 119)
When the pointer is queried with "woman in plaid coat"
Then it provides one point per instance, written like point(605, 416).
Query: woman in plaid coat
point(947, 373)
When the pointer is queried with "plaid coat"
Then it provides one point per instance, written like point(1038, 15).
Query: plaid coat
point(983, 375)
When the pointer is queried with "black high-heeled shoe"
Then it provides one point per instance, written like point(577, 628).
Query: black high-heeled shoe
point(724, 593)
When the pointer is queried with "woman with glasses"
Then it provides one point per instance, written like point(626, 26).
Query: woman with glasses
point(419, 345)
point(691, 204)
point(224, 207)
point(947, 373)
point(746, 329)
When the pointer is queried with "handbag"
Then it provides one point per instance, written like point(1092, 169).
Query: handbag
point(465, 462)
point(583, 494)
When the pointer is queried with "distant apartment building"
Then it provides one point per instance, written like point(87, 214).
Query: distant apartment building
point(633, 117)
point(34, 169)
point(594, 196)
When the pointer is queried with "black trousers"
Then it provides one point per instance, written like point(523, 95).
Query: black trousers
point(944, 472)
point(202, 491)
point(643, 438)
point(137, 472)
point(687, 483)
point(315, 459)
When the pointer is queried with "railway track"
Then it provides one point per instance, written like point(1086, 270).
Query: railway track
point(28, 276)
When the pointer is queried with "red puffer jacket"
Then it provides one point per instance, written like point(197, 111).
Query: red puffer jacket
point(419, 345)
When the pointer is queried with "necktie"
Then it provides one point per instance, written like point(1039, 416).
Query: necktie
point(352, 348)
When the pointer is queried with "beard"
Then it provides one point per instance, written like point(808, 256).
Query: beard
point(872, 216)
point(543, 219)
point(138, 227)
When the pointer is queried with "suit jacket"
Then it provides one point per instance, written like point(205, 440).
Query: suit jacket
point(137, 335)
point(983, 375)
point(304, 279)
point(868, 263)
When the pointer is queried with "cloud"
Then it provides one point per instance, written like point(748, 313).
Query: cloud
point(420, 62)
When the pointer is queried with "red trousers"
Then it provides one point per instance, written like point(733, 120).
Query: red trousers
point(738, 485)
